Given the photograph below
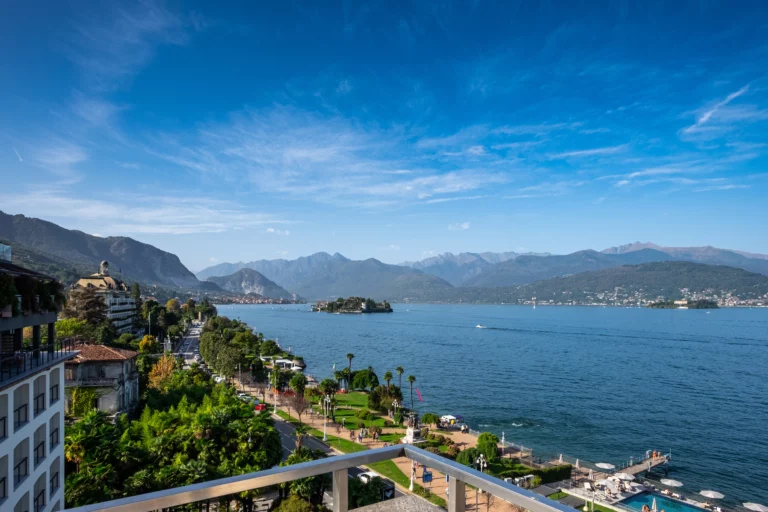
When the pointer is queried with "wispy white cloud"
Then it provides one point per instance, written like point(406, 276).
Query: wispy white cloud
point(280, 232)
point(390, 247)
point(213, 259)
point(459, 226)
point(138, 214)
point(111, 47)
point(710, 111)
point(18, 155)
point(547, 189)
point(451, 199)
point(327, 159)
point(61, 158)
point(581, 153)
point(344, 87)
point(720, 187)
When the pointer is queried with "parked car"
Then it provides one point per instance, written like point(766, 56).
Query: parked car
point(260, 407)
point(388, 489)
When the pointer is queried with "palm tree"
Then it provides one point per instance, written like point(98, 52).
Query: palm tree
point(350, 357)
point(387, 378)
point(339, 376)
point(400, 372)
point(411, 380)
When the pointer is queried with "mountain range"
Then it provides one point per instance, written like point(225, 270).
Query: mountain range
point(614, 285)
point(460, 268)
point(68, 254)
point(248, 281)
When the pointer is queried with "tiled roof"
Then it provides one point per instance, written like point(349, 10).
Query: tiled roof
point(101, 353)
point(102, 281)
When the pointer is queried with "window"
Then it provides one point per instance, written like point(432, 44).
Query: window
point(20, 417)
point(69, 374)
point(21, 407)
point(3, 416)
point(20, 462)
point(54, 436)
point(39, 445)
point(53, 382)
point(20, 471)
point(39, 391)
point(23, 504)
point(54, 471)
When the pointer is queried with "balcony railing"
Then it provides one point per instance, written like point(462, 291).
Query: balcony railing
point(54, 438)
point(20, 472)
point(3, 427)
point(39, 452)
point(29, 358)
point(20, 416)
point(39, 403)
point(3, 488)
point(227, 487)
point(54, 394)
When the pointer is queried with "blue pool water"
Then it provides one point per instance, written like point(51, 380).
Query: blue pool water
point(600, 384)
point(637, 501)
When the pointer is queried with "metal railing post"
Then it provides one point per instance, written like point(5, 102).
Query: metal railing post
point(340, 491)
point(456, 495)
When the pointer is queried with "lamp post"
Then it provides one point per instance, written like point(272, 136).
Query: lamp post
point(395, 405)
point(482, 464)
point(503, 446)
point(325, 419)
point(413, 473)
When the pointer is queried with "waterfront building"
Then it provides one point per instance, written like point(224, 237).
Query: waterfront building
point(31, 398)
point(121, 307)
point(109, 372)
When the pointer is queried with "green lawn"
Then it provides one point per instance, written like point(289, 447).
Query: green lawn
point(354, 399)
point(557, 496)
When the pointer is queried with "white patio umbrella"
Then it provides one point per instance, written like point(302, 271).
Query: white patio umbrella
point(561, 458)
point(605, 465)
point(653, 505)
point(624, 476)
point(672, 483)
point(577, 463)
point(591, 475)
point(756, 507)
point(604, 481)
point(713, 494)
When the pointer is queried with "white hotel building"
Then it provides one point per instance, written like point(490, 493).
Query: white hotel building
point(121, 307)
point(31, 407)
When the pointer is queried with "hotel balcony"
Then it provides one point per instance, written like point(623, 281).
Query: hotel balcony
point(217, 494)
point(18, 364)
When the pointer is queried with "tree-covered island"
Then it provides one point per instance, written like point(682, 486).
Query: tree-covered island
point(353, 305)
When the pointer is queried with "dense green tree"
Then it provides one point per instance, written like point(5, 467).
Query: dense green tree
point(269, 348)
point(487, 437)
point(468, 456)
point(298, 383)
point(381, 398)
point(430, 418)
point(227, 360)
point(194, 438)
point(105, 333)
point(70, 327)
point(294, 504)
point(84, 304)
point(350, 357)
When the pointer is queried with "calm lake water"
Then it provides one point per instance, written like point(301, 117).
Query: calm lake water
point(600, 384)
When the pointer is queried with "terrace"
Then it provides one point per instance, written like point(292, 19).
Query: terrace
point(208, 495)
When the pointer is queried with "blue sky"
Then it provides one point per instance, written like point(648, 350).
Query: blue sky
point(387, 129)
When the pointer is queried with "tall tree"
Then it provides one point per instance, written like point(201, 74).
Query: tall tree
point(400, 371)
point(173, 305)
point(136, 291)
point(411, 380)
point(298, 382)
point(84, 304)
point(350, 356)
point(387, 378)
point(161, 373)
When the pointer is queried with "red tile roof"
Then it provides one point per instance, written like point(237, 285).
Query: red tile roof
point(101, 353)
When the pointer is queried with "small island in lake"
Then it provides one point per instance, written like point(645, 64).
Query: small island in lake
point(353, 305)
point(684, 304)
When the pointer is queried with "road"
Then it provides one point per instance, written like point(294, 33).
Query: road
point(189, 345)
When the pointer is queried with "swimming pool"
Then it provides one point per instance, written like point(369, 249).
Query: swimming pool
point(663, 503)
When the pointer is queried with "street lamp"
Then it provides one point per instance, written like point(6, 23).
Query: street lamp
point(395, 405)
point(325, 419)
point(482, 464)
point(413, 474)
point(503, 445)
